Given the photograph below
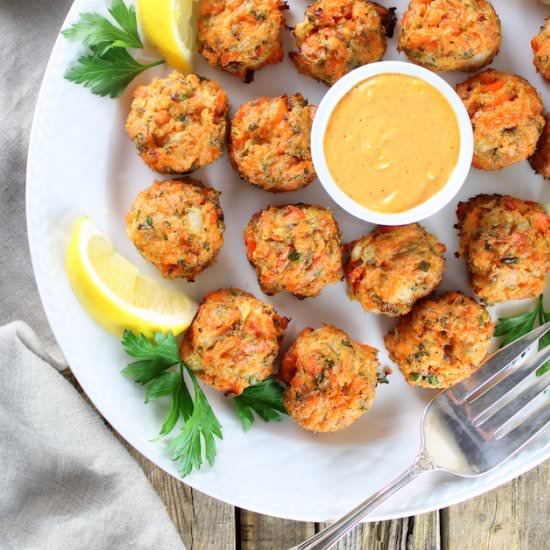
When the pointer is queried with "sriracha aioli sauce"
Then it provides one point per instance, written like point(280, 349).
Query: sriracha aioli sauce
point(392, 142)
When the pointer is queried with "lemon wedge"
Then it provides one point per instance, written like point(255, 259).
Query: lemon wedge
point(113, 292)
point(169, 26)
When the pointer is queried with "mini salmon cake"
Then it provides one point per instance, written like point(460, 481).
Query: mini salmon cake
point(541, 50)
point(233, 341)
point(441, 341)
point(339, 35)
point(178, 226)
point(178, 124)
point(241, 36)
point(505, 243)
point(393, 267)
point(540, 161)
point(506, 115)
point(450, 35)
point(330, 378)
point(269, 143)
point(296, 248)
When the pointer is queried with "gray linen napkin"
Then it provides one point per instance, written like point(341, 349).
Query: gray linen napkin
point(65, 481)
point(28, 29)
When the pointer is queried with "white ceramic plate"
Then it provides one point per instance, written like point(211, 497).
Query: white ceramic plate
point(82, 162)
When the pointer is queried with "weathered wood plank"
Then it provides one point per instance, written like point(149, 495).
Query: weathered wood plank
point(513, 517)
point(213, 524)
point(425, 533)
point(259, 532)
point(203, 522)
point(414, 533)
point(177, 497)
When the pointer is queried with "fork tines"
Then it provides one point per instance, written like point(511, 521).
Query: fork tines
point(505, 359)
point(502, 418)
point(478, 407)
point(493, 403)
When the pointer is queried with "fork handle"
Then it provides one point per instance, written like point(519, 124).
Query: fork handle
point(339, 529)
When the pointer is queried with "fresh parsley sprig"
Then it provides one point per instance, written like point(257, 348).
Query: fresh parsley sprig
point(160, 369)
point(107, 68)
point(265, 399)
point(197, 434)
point(98, 32)
point(512, 328)
point(162, 372)
point(108, 73)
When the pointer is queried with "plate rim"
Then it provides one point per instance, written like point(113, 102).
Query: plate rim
point(531, 458)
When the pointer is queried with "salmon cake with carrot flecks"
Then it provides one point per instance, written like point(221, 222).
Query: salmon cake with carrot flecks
point(241, 36)
point(330, 379)
point(179, 123)
point(450, 35)
point(391, 268)
point(505, 242)
point(233, 341)
point(506, 115)
point(294, 248)
point(338, 36)
point(541, 50)
point(178, 226)
point(269, 143)
point(442, 341)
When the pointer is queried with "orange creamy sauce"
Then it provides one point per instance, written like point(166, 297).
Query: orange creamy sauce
point(392, 142)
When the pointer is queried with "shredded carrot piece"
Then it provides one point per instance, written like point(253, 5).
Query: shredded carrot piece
point(492, 86)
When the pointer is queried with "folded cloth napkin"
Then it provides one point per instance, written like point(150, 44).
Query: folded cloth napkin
point(65, 481)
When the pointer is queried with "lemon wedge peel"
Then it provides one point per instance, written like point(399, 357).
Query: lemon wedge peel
point(113, 292)
point(169, 26)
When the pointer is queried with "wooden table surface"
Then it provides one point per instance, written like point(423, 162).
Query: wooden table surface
point(515, 516)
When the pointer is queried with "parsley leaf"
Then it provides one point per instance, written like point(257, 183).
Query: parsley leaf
point(166, 384)
point(125, 16)
point(513, 328)
point(154, 357)
point(265, 399)
point(163, 346)
point(544, 317)
point(142, 372)
point(197, 434)
point(543, 369)
point(98, 32)
point(107, 68)
point(108, 73)
point(160, 368)
point(173, 415)
point(182, 404)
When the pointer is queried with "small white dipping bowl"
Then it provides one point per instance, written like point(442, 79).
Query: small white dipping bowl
point(435, 202)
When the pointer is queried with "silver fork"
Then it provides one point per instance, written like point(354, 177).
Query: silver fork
point(470, 428)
